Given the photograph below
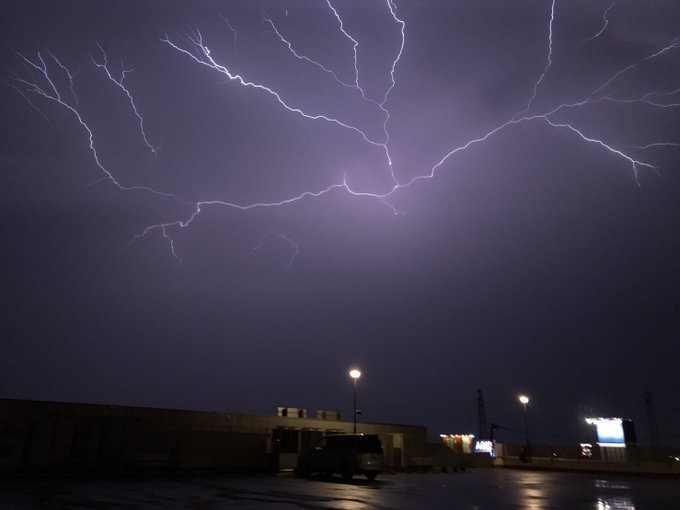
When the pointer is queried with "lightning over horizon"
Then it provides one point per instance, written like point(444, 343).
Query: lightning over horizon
point(50, 80)
point(202, 200)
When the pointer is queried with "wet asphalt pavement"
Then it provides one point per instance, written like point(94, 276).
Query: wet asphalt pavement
point(481, 489)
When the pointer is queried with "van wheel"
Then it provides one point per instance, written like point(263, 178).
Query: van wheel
point(346, 472)
point(371, 475)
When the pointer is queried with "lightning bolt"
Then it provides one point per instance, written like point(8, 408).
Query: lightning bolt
point(196, 50)
point(28, 100)
point(103, 65)
point(305, 58)
point(202, 55)
point(604, 25)
point(548, 63)
point(232, 30)
point(69, 75)
point(673, 45)
point(294, 248)
point(355, 46)
point(661, 94)
point(657, 144)
point(50, 92)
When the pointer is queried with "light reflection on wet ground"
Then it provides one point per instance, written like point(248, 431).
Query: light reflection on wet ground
point(482, 489)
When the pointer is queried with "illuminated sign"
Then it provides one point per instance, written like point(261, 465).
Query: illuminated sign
point(613, 432)
point(484, 446)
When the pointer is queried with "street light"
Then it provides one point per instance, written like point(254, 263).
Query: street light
point(355, 374)
point(524, 400)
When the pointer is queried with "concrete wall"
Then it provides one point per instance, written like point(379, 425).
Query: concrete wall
point(48, 436)
point(632, 460)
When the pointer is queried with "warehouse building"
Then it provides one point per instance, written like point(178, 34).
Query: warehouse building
point(54, 436)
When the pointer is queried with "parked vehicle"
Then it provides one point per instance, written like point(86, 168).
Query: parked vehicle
point(347, 454)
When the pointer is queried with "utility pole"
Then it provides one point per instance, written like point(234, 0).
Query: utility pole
point(654, 436)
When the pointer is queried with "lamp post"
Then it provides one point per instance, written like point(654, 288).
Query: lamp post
point(524, 400)
point(355, 374)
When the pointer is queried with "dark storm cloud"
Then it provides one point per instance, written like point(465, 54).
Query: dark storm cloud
point(534, 261)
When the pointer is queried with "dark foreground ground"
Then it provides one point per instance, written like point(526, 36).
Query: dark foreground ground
point(481, 489)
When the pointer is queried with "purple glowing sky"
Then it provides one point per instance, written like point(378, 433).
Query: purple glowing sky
point(224, 205)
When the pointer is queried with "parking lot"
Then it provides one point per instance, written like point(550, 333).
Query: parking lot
point(477, 490)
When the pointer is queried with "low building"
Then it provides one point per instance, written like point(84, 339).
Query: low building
point(50, 436)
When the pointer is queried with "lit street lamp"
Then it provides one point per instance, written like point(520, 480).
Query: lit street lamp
point(355, 374)
point(524, 400)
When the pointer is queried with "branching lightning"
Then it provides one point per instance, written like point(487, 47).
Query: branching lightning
point(50, 92)
point(294, 248)
point(355, 46)
point(42, 83)
point(232, 30)
point(673, 45)
point(103, 64)
point(201, 54)
point(299, 56)
point(548, 63)
point(28, 100)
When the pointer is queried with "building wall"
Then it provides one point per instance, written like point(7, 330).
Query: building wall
point(46, 436)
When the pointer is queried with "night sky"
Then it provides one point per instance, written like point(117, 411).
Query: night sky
point(243, 242)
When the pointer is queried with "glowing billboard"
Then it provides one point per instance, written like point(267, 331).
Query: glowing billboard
point(613, 432)
point(485, 446)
